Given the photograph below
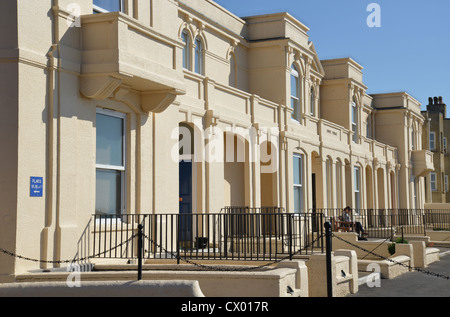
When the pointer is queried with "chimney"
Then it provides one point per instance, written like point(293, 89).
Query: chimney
point(436, 104)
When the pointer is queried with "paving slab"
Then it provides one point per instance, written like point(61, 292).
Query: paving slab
point(422, 283)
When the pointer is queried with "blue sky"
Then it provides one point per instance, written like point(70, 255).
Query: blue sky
point(409, 52)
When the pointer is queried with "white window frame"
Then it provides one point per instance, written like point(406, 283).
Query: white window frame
point(446, 182)
point(295, 74)
point(186, 49)
point(445, 145)
point(300, 185)
point(433, 181)
point(357, 188)
point(121, 169)
point(199, 60)
point(355, 121)
point(101, 10)
point(313, 102)
point(432, 141)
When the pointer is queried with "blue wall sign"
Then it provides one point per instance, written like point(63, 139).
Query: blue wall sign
point(36, 186)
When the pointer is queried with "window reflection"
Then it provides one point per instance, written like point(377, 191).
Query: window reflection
point(108, 6)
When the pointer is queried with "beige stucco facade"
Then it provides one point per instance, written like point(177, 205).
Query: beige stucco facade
point(57, 77)
point(435, 136)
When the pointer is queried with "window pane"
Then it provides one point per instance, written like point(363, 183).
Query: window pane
point(198, 57)
point(298, 199)
point(294, 86)
point(295, 104)
point(186, 50)
point(357, 201)
point(298, 188)
point(108, 5)
point(356, 178)
point(354, 122)
point(297, 170)
point(109, 140)
point(357, 189)
point(108, 192)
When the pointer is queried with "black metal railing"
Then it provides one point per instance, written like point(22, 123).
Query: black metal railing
point(385, 223)
point(252, 210)
point(221, 236)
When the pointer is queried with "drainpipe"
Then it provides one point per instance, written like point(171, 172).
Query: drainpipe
point(52, 161)
point(57, 235)
point(49, 163)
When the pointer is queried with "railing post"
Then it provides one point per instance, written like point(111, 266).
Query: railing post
point(424, 219)
point(139, 253)
point(290, 236)
point(225, 235)
point(328, 258)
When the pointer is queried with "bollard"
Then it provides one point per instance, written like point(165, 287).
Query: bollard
point(328, 257)
point(139, 253)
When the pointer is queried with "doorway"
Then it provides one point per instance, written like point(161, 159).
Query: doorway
point(185, 198)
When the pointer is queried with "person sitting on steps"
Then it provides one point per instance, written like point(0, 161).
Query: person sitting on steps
point(358, 226)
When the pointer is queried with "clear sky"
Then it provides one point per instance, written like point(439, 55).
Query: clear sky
point(409, 52)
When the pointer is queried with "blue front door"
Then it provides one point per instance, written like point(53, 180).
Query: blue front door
point(185, 192)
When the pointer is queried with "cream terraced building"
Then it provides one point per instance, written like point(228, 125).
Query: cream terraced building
point(177, 106)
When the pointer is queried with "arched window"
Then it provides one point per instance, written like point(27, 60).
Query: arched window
point(357, 188)
point(313, 102)
point(198, 56)
point(295, 93)
point(186, 50)
point(355, 121)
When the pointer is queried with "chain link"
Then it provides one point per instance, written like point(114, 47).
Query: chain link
point(228, 268)
point(393, 261)
point(66, 261)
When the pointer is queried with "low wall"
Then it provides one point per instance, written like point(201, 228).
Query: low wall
point(439, 236)
point(386, 268)
point(103, 289)
point(424, 252)
point(385, 264)
point(285, 280)
point(344, 274)
point(352, 239)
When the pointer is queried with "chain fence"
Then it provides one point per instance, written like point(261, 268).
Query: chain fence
point(227, 267)
point(421, 270)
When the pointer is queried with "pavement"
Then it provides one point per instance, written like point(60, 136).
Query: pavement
point(423, 283)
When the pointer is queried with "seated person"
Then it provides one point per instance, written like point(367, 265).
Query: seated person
point(346, 217)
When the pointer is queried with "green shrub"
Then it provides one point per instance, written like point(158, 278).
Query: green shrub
point(391, 246)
